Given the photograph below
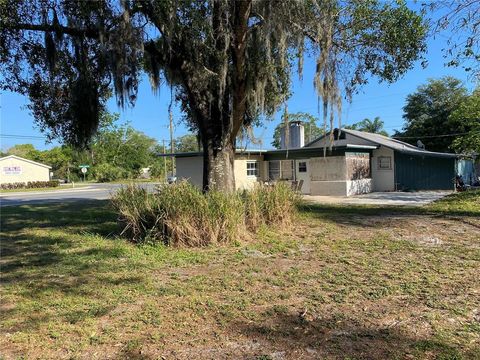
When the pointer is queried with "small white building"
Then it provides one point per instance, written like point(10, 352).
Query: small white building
point(14, 169)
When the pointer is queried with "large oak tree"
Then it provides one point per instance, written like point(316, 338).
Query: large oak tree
point(229, 62)
point(459, 23)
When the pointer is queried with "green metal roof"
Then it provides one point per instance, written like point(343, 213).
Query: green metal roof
point(199, 153)
point(302, 153)
point(282, 154)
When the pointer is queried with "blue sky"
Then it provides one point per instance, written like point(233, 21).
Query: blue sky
point(150, 112)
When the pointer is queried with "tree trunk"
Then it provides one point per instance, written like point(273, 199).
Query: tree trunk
point(218, 166)
point(218, 146)
point(220, 122)
point(225, 117)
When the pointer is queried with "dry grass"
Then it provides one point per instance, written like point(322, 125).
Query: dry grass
point(348, 283)
point(181, 215)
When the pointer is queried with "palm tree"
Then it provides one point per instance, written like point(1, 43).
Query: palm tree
point(374, 126)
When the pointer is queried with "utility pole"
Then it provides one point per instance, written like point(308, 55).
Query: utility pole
point(172, 145)
point(164, 161)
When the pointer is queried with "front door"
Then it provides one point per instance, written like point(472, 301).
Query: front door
point(303, 173)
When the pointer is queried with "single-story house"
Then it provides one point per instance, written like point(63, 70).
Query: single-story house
point(353, 162)
point(15, 169)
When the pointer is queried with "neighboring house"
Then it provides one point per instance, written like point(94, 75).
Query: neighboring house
point(15, 169)
point(353, 162)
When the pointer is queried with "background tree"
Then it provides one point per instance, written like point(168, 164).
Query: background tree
point(312, 131)
point(26, 151)
point(187, 143)
point(427, 111)
point(374, 126)
point(466, 119)
point(117, 152)
point(227, 61)
point(120, 151)
point(61, 159)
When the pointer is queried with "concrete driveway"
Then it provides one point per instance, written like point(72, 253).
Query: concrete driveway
point(383, 198)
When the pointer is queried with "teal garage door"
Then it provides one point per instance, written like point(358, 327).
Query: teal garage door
point(424, 172)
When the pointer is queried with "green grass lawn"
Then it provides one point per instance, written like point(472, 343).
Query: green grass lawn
point(467, 203)
point(346, 283)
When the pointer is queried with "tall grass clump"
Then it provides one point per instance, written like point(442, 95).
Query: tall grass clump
point(270, 205)
point(181, 215)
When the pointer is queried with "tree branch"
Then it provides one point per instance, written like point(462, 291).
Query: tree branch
point(91, 33)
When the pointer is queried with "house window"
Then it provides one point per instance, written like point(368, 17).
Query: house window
point(384, 163)
point(302, 167)
point(274, 170)
point(252, 168)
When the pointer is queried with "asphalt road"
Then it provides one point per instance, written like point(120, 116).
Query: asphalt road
point(84, 193)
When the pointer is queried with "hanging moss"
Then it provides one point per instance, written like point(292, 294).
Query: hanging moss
point(193, 46)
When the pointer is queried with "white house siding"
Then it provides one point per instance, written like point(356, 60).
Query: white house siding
point(242, 180)
point(330, 176)
point(190, 169)
point(341, 187)
point(328, 188)
point(18, 170)
point(383, 179)
point(329, 168)
point(361, 186)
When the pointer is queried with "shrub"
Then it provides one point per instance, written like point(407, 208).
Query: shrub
point(181, 215)
point(42, 184)
point(12, 186)
point(30, 185)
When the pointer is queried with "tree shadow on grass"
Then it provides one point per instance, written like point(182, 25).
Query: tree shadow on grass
point(293, 337)
point(39, 273)
point(93, 216)
point(39, 265)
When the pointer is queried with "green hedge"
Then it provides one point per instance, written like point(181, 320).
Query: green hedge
point(30, 185)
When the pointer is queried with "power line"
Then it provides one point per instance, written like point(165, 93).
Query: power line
point(432, 136)
point(14, 136)
point(392, 126)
